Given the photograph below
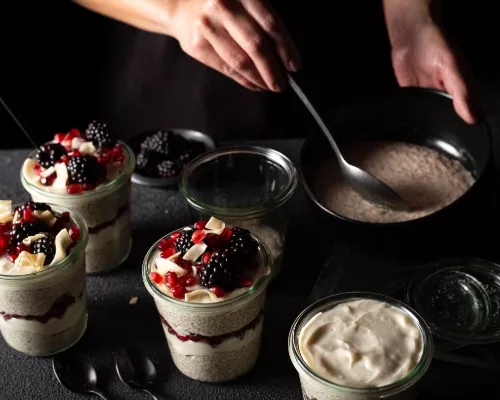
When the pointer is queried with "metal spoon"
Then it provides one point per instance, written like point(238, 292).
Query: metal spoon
point(77, 376)
point(138, 372)
point(368, 186)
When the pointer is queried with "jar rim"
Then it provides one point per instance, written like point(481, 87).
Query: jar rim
point(91, 194)
point(64, 263)
point(277, 157)
point(257, 288)
point(396, 387)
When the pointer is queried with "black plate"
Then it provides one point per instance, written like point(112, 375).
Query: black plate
point(189, 134)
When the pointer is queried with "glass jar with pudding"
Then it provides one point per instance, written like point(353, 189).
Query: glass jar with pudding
point(88, 173)
point(360, 346)
point(209, 283)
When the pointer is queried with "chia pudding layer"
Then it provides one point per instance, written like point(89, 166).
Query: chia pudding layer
point(90, 174)
point(43, 309)
point(427, 179)
point(213, 324)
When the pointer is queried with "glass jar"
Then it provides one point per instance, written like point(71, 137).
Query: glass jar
point(245, 186)
point(106, 211)
point(212, 342)
point(46, 312)
point(316, 387)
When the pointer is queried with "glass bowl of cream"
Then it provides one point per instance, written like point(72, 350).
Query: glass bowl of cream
point(360, 346)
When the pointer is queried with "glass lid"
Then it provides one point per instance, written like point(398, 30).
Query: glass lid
point(459, 299)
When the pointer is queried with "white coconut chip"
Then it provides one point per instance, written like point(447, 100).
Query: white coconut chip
point(25, 259)
point(62, 242)
point(133, 300)
point(49, 171)
point(5, 211)
point(15, 220)
point(29, 171)
point(87, 148)
point(77, 142)
point(30, 239)
point(165, 265)
point(194, 252)
point(45, 216)
point(201, 296)
point(62, 176)
point(174, 256)
point(215, 225)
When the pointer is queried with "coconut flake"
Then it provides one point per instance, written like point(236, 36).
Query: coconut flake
point(25, 259)
point(174, 256)
point(194, 252)
point(49, 171)
point(165, 265)
point(201, 296)
point(30, 239)
point(133, 300)
point(5, 211)
point(45, 216)
point(62, 176)
point(87, 148)
point(77, 142)
point(15, 220)
point(62, 242)
point(215, 225)
point(29, 171)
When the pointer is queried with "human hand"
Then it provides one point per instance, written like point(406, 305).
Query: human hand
point(243, 39)
point(423, 57)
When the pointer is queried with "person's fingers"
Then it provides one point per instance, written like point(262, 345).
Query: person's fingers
point(456, 86)
point(274, 27)
point(234, 57)
point(205, 53)
point(403, 68)
point(245, 31)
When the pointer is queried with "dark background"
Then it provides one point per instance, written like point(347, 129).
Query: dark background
point(56, 73)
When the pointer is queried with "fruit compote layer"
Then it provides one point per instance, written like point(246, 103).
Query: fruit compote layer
point(89, 173)
point(220, 271)
point(42, 279)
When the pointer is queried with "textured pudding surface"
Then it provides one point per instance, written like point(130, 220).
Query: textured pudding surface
point(425, 178)
point(361, 344)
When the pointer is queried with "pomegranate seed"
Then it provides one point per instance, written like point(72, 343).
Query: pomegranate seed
point(212, 241)
point(179, 292)
point(21, 247)
point(12, 255)
point(58, 137)
point(219, 292)
point(28, 215)
point(175, 235)
point(186, 265)
point(37, 168)
point(206, 257)
point(49, 180)
point(166, 243)
point(6, 227)
point(200, 225)
point(74, 132)
point(198, 237)
point(65, 216)
point(156, 277)
point(117, 152)
point(246, 283)
point(178, 260)
point(88, 186)
point(168, 253)
point(226, 235)
point(195, 338)
point(172, 279)
point(199, 266)
point(67, 141)
point(65, 159)
point(74, 233)
point(103, 160)
point(4, 243)
point(75, 188)
point(183, 338)
point(188, 280)
point(75, 153)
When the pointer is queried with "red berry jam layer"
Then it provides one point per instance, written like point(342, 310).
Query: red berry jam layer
point(215, 341)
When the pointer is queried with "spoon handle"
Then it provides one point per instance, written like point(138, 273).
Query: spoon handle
point(298, 91)
point(151, 394)
point(100, 394)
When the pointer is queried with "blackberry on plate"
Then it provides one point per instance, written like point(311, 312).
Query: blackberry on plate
point(98, 132)
point(147, 161)
point(83, 169)
point(48, 154)
point(168, 169)
point(24, 229)
point(224, 270)
point(183, 242)
point(242, 240)
point(159, 142)
point(45, 245)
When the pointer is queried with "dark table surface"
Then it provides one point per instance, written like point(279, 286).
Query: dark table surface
point(114, 323)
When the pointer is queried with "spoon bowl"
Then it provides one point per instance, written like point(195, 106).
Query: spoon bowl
point(76, 375)
point(137, 372)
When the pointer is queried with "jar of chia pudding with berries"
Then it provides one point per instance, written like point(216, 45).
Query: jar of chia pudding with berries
point(90, 174)
point(43, 300)
point(209, 282)
point(246, 186)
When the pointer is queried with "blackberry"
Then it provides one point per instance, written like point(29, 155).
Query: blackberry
point(83, 169)
point(242, 240)
point(147, 162)
point(99, 133)
point(48, 154)
point(168, 169)
point(159, 142)
point(44, 245)
point(24, 229)
point(33, 207)
point(183, 242)
point(224, 270)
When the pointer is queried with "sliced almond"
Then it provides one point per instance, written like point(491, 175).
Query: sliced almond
point(201, 296)
point(45, 216)
point(29, 171)
point(87, 148)
point(164, 265)
point(62, 241)
point(215, 225)
point(77, 142)
point(62, 176)
point(194, 252)
point(25, 259)
point(30, 239)
point(49, 171)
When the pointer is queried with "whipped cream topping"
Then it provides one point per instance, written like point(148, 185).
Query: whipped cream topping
point(361, 344)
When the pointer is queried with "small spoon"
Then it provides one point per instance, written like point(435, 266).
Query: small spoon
point(138, 373)
point(77, 376)
point(368, 186)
